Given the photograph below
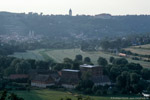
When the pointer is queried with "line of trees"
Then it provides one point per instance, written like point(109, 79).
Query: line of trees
point(11, 65)
point(9, 96)
point(127, 77)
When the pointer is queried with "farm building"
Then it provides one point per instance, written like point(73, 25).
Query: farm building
point(96, 74)
point(18, 76)
point(33, 73)
point(94, 70)
point(147, 95)
point(70, 78)
point(42, 81)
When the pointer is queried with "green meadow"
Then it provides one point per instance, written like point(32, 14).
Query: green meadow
point(45, 94)
point(59, 54)
point(141, 49)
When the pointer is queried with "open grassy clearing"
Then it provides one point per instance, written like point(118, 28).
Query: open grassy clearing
point(29, 55)
point(147, 46)
point(139, 51)
point(56, 95)
point(142, 49)
point(59, 55)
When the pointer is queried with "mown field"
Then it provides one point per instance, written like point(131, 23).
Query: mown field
point(29, 55)
point(142, 49)
point(59, 55)
point(56, 95)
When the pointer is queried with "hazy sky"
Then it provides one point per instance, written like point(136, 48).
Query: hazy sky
point(91, 7)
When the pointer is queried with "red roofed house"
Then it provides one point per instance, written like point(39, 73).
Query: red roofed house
point(70, 78)
point(42, 81)
point(18, 76)
point(96, 72)
point(93, 69)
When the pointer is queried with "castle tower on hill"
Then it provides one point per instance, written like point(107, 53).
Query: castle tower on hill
point(70, 12)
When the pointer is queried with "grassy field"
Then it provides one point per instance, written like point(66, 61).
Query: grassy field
point(142, 49)
point(59, 55)
point(29, 55)
point(56, 95)
point(147, 46)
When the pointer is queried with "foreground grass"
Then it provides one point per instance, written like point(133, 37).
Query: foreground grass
point(56, 95)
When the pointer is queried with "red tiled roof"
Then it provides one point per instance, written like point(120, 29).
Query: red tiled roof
point(43, 78)
point(18, 76)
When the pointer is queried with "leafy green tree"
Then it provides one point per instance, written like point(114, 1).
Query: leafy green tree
point(23, 67)
point(111, 59)
point(87, 60)
point(102, 61)
point(134, 66)
point(42, 65)
point(98, 93)
point(67, 66)
point(120, 61)
point(68, 61)
point(58, 67)
point(4, 95)
point(9, 71)
point(14, 97)
point(88, 98)
point(14, 62)
point(85, 84)
point(134, 78)
point(32, 63)
point(79, 97)
point(67, 98)
point(114, 72)
point(123, 81)
point(148, 88)
point(105, 45)
point(145, 74)
point(75, 66)
point(88, 91)
point(78, 58)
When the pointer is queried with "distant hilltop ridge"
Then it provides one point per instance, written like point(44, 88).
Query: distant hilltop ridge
point(70, 10)
point(80, 26)
point(103, 15)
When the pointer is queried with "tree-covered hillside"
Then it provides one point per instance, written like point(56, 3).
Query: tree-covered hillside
point(73, 26)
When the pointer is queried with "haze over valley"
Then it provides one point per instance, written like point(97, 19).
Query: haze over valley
point(74, 54)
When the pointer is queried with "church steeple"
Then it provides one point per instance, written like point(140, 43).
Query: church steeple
point(70, 12)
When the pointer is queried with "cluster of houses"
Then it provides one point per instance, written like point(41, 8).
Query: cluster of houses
point(67, 78)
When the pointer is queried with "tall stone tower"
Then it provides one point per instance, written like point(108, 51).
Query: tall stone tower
point(70, 12)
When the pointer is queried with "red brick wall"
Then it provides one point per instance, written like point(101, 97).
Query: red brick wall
point(95, 71)
point(70, 74)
